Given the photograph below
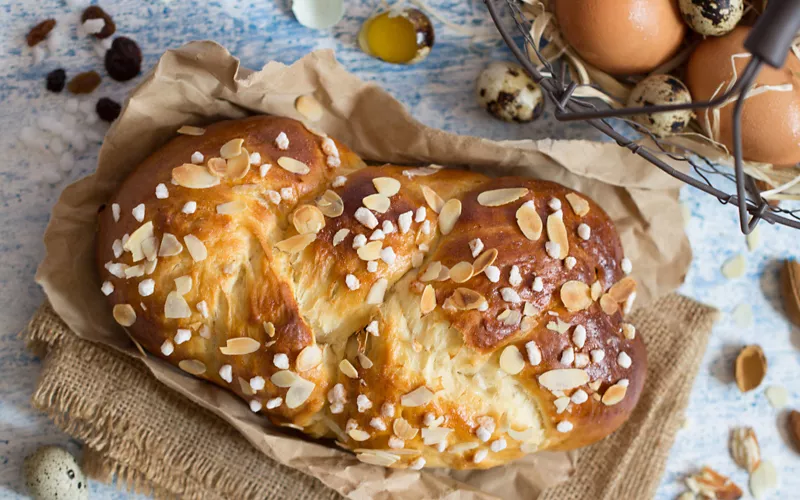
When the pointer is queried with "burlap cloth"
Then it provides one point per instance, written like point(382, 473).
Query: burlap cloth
point(157, 442)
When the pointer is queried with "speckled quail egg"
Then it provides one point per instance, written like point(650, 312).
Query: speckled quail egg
point(52, 473)
point(659, 90)
point(712, 17)
point(508, 93)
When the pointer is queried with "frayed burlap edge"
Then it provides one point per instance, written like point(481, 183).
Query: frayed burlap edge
point(152, 440)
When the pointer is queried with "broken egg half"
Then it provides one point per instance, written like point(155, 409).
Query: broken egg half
point(398, 36)
point(318, 14)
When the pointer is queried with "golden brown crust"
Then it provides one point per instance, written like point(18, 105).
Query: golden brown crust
point(304, 276)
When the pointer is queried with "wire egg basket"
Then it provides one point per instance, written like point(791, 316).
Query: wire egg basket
point(769, 42)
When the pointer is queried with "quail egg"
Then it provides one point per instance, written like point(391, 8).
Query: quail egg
point(712, 17)
point(52, 472)
point(508, 93)
point(399, 36)
point(658, 90)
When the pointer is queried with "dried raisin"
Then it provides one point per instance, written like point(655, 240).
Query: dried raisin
point(123, 59)
point(95, 12)
point(40, 32)
point(56, 80)
point(108, 109)
point(84, 83)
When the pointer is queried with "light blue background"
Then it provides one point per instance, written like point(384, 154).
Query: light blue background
point(439, 92)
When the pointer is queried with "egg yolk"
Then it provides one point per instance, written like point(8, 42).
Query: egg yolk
point(392, 38)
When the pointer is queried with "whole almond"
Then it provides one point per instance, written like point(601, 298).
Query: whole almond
point(751, 368)
point(790, 280)
point(794, 428)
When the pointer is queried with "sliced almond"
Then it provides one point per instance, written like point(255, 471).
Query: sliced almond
point(563, 379)
point(444, 274)
point(370, 251)
point(467, 299)
point(461, 272)
point(176, 306)
point(299, 392)
point(170, 246)
point(622, 290)
point(527, 324)
point(194, 176)
point(309, 107)
point(734, 267)
point(295, 244)
point(309, 358)
point(751, 368)
point(557, 233)
point(244, 385)
point(134, 271)
point(330, 204)
point(136, 240)
point(293, 166)
point(596, 290)
point(428, 301)
point(521, 436)
point(377, 291)
point(608, 304)
point(348, 369)
point(150, 249)
point(434, 435)
point(183, 284)
point(418, 397)
point(614, 394)
point(510, 317)
point(364, 361)
point(231, 207)
point(239, 346)
point(511, 360)
point(195, 247)
point(377, 202)
point(217, 166)
point(238, 166)
point(449, 215)
point(431, 271)
point(231, 148)
point(484, 260)
point(579, 205)
point(744, 448)
point(762, 480)
point(576, 296)
point(269, 328)
point(499, 197)
point(191, 130)
point(308, 219)
point(383, 460)
point(283, 378)
point(124, 314)
point(192, 366)
point(403, 429)
point(386, 185)
point(432, 199)
point(529, 222)
point(358, 434)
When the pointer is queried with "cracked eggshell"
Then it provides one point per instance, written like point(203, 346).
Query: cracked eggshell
point(52, 472)
point(712, 17)
point(318, 14)
point(659, 90)
point(508, 93)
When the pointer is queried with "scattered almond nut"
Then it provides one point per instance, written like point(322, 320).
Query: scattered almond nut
point(231, 148)
point(557, 233)
point(308, 219)
point(711, 484)
point(579, 205)
point(432, 199)
point(794, 428)
point(449, 215)
point(428, 302)
point(192, 366)
point(386, 186)
point(751, 367)
point(484, 260)
point(293, 166)
point(744, 448)
point(576, 296)
point(790, 282)
point(529, 222)
point(331, 204)
point(734, 267)
point(498, 197)
point(461, 272)
point(295, 243)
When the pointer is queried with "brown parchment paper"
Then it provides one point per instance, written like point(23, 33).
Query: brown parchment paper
point(202, 83)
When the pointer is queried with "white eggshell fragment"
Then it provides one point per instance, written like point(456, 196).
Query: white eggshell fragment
point(660, 90)
point(318, 14)
point(508, 93)
point(712, 17)
point(52, 472)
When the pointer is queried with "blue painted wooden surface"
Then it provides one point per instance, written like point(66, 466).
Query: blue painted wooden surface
point(439, 92)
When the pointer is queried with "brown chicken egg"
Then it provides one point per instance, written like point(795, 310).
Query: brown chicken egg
point(770, 121)
point(624, 36)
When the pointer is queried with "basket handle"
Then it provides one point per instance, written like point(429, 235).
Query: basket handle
point(772, 35)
